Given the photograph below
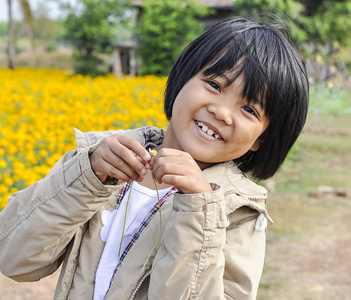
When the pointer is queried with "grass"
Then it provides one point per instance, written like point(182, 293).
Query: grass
point(306, 247)
point(323, 158)
point(330, 99)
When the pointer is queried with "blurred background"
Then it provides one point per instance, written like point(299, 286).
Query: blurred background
point(103, 64)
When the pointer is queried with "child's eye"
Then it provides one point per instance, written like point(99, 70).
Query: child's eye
point(214, 85)
point(250, 111)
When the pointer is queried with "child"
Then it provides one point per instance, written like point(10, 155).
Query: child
point(236, 97)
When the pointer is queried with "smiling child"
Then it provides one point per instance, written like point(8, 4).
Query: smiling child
point(236, 100)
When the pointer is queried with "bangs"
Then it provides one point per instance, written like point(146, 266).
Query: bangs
point(257, 55)
point(255, 82)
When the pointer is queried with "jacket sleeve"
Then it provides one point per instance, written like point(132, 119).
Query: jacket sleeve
point(204, 256)
point(40, 221)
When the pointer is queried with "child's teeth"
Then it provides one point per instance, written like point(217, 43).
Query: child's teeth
point(210, 132)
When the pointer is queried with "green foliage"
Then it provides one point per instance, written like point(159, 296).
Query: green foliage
point(329, 21)
point(321, 23)
point(288, 12)
point(86, 64)
point(90, 28)
point(167, 26)
point(51, 47)
point(3, 28)
point(45, 29)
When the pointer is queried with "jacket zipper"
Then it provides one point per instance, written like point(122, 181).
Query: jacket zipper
point(140, 284)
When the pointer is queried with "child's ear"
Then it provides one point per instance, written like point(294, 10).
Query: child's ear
point(256, 144)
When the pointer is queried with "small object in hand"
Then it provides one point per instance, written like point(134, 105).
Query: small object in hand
point(152, 152)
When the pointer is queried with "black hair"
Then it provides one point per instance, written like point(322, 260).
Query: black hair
point(273, 72)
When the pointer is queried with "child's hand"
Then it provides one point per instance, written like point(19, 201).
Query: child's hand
point(114, 158)
point(179, 169)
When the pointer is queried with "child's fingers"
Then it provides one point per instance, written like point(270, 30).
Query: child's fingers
point(145, 164)
point(165, 154)
point(106, 164)
point(116, 166)
point(187, 182)
point(167, 165)
point(130, 151)
point(179, 169)
point(161, 169)
point(173, 156)
point(136, 147)
point(110, 171)
point(177, 181)
point(114, 157)
point(124, 160)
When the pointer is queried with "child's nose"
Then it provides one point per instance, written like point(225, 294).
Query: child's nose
point(222, 113)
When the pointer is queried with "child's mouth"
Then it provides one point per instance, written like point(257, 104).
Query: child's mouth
point(210, 132)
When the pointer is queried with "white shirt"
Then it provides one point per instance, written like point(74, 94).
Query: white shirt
point(141, 201)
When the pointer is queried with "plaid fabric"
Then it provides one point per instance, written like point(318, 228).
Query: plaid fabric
point(150, 136)
point(121, 194)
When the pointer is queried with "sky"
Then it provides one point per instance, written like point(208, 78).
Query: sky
point(51, 4)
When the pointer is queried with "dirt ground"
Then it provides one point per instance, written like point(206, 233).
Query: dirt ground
point(316, 265)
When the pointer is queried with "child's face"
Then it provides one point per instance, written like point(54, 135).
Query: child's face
point(215, 123)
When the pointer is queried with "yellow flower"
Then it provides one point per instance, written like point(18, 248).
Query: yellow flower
point(7, 181)
point(3, 164)
point(152, 152)
point(40, 108)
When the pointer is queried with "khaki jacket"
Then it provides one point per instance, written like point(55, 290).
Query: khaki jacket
point(209, 247)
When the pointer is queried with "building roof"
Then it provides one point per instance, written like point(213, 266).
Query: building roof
point(210, 3)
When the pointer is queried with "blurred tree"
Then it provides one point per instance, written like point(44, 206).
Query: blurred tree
point(28, 20)
point(328, 22)
point(166, 27)
point(287, 11)
point(45, 29)
point(324, 23)
point(90, 27)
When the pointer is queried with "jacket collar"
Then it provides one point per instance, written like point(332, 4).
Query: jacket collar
point(143, 135)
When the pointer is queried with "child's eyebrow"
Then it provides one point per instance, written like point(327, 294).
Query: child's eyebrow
point(255, 100)
point(228, 81)
point(260, 102)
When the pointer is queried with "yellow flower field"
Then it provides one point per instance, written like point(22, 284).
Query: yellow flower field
point(40, 108)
